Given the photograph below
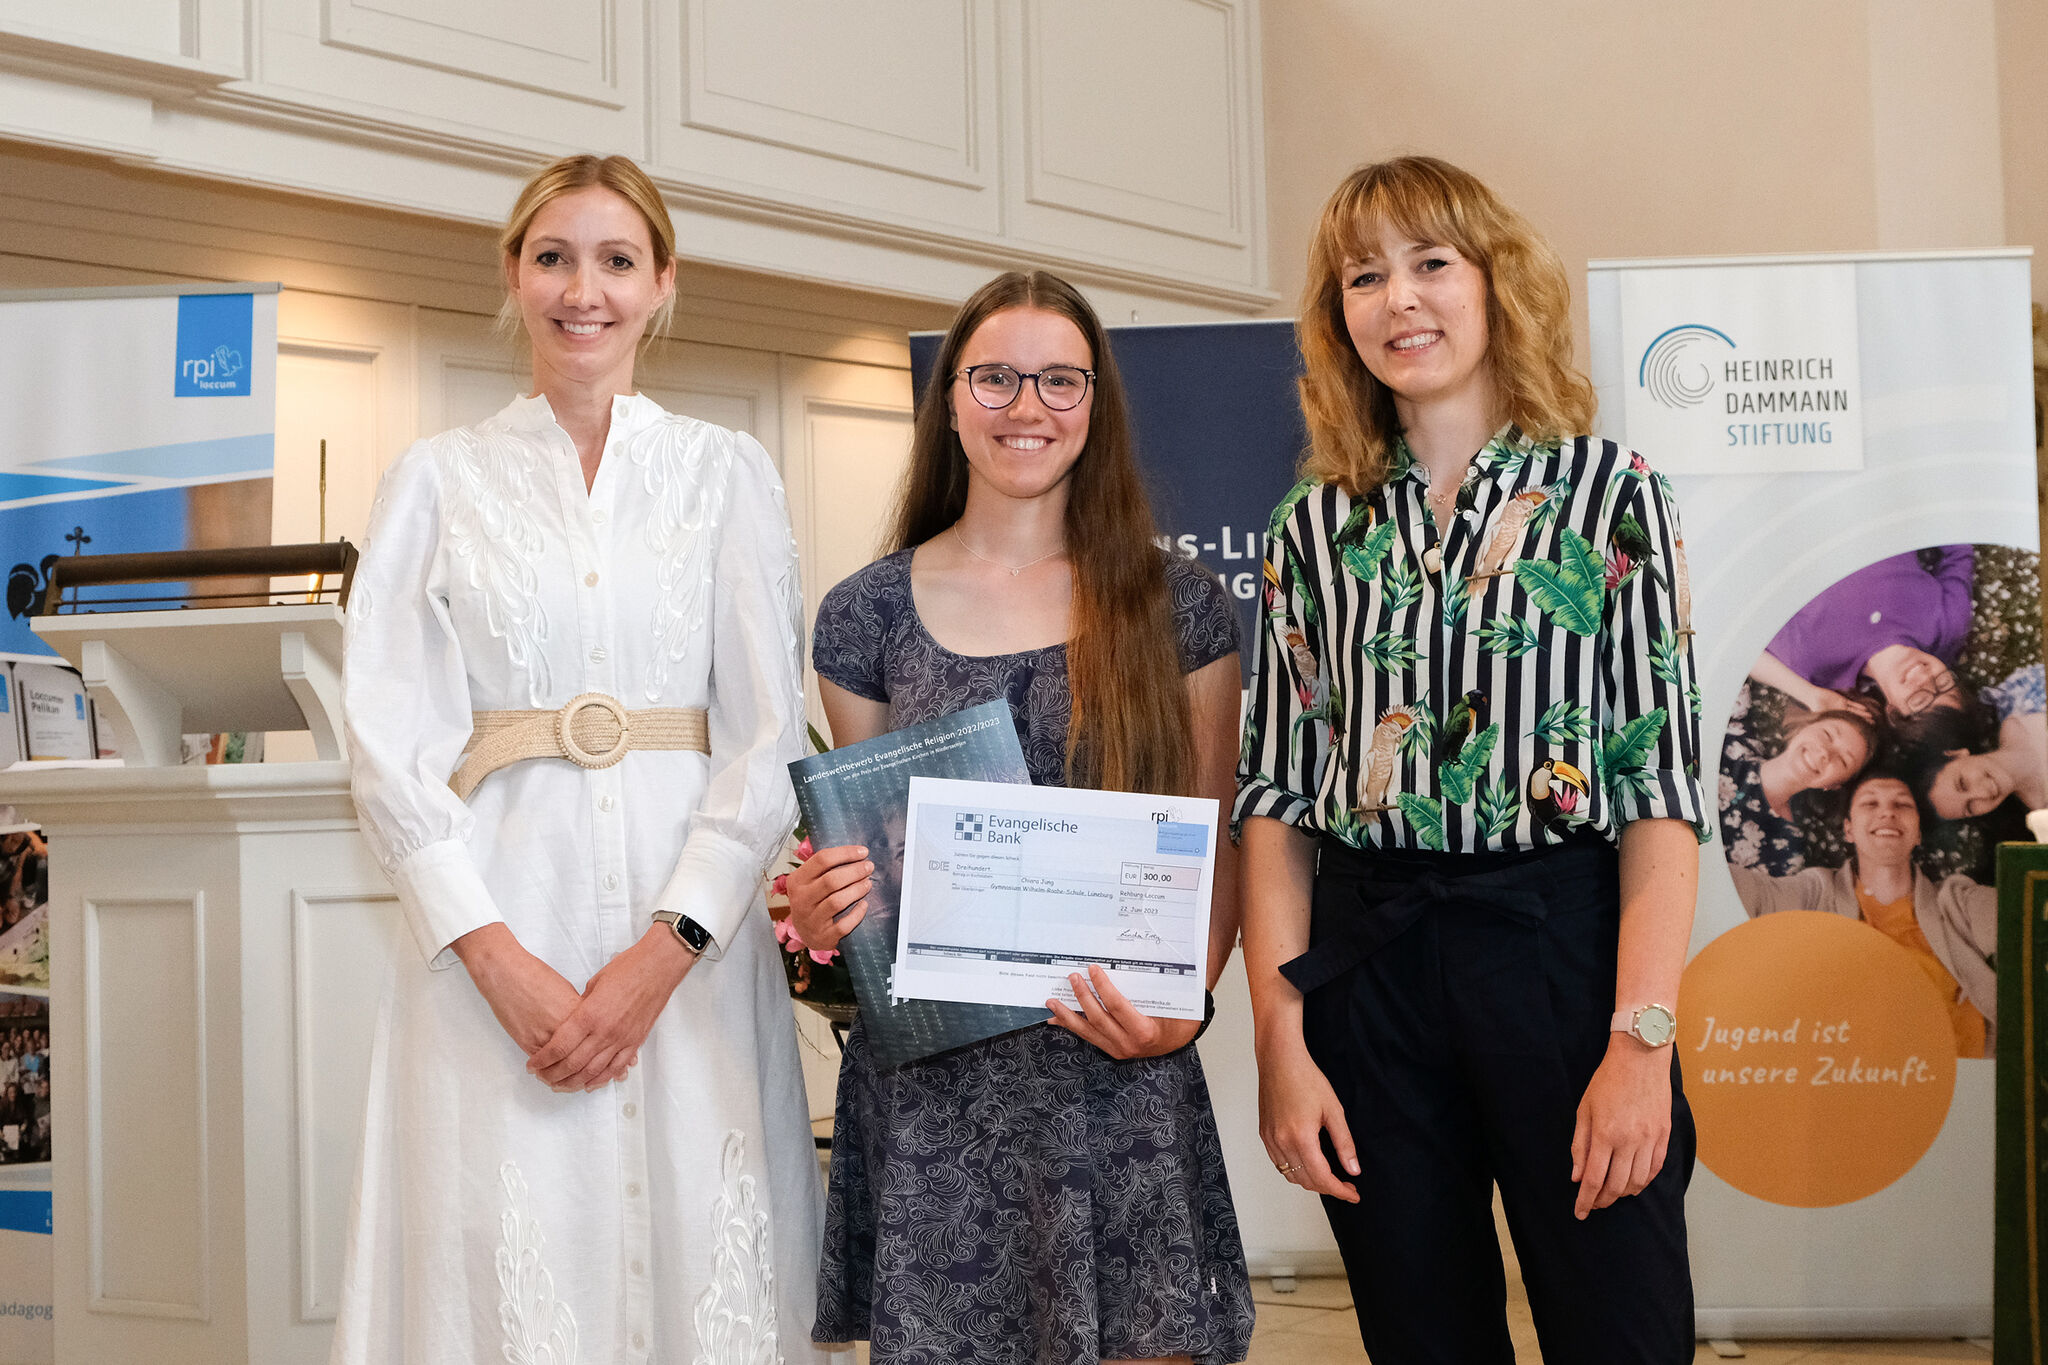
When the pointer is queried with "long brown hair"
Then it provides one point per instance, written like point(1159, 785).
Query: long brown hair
point(1350, 414)
point(1131, 721)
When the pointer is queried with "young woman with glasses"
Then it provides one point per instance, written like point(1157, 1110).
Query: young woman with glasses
point(1470, 800)
point(1896, 625)
point(1055, 1194)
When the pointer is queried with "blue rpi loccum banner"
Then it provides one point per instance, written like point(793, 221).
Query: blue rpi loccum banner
point(138, 420)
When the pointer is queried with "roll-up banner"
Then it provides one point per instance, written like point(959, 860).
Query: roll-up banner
point(1851, 440)
point(136, 419)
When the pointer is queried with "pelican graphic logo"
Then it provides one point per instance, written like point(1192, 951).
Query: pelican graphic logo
point(967, 828)
point(1677, 368)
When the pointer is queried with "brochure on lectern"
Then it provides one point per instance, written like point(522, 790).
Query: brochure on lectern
point(1007, 891)
point(857, 795)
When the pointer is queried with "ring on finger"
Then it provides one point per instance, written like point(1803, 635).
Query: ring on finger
point(1286, 1167)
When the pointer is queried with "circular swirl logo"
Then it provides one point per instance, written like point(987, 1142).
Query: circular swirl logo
point(1675, 370)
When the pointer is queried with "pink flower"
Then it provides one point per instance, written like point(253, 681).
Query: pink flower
point(780, 886)
point(1618, 568)
point(804, 850)
point(793, 942)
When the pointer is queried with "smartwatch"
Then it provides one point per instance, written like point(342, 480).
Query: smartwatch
point(1651, 1025)
point(693, 935)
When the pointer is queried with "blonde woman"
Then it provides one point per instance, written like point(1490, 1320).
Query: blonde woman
point(572, 687)
point(1468, 889)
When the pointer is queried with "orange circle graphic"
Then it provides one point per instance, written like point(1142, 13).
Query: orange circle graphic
point(1818, 1058)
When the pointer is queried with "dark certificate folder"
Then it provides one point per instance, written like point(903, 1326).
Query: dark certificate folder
point(860, 794)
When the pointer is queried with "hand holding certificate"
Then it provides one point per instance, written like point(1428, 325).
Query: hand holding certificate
point(1009, 889)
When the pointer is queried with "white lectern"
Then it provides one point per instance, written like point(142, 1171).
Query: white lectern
point(219, 941)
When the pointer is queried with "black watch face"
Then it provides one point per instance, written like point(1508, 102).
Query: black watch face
point(692, 933)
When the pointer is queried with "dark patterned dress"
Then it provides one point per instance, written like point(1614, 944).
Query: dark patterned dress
point(1026, 1198)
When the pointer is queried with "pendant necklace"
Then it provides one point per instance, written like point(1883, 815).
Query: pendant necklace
point(1013, 571)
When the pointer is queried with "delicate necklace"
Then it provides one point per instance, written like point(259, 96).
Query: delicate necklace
point(1013, 569)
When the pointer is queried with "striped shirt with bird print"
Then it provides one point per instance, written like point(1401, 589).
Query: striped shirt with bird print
point(1513, 683)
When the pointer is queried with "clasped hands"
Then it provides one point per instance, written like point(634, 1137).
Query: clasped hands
point(828, 894)
point(575, 1041)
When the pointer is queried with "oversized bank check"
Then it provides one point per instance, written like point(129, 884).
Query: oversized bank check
point(1007, 889)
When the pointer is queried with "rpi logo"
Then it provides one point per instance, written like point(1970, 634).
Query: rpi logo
point(214, 334)
point(224, 364)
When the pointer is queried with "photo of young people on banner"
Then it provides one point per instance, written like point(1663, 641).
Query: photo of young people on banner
point(24, 1078)
point(1891, 735)
point(24, 909)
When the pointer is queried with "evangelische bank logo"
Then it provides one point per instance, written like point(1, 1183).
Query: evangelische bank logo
point(968, 828)
point(1686, 366)
point(214, 332)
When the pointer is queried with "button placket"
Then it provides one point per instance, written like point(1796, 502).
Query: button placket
point(587, 519)
point(589, 525)
point(637, 1219)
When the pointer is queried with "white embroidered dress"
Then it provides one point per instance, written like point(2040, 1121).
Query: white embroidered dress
point(673, 1218)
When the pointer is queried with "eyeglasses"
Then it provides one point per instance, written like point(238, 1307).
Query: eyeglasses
point(1926, 697)
point(1060, 387)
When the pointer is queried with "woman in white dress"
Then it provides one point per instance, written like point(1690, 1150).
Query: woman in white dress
point(587, 1138)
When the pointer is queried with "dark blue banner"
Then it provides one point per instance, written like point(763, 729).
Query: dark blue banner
point(1219, 435)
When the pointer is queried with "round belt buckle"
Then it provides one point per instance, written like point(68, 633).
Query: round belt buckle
point(565, 737)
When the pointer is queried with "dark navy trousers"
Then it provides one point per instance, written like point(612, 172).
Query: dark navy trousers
point(1459, 1004)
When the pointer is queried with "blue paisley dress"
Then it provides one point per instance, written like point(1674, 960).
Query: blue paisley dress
point(1025, 1200)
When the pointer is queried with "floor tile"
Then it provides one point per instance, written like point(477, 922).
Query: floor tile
point(1289, 1318)
point(1761, 1353)
point(1299, 1348)
point(1892, 1352)
point(1336, 1325)
point(1309, 1292)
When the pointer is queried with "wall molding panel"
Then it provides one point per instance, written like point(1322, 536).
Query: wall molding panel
point(860, 97)
point(147, 1136)
point(1178, 167)
point(902, 147)
point(569, 49)
point(342, 943)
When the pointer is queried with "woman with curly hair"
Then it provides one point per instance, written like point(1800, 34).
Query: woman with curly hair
point(1468, 896)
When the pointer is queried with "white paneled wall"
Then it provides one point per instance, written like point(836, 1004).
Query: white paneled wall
point(343, 943)
point(837, 104)
point(910, 146)
point(147, 1124)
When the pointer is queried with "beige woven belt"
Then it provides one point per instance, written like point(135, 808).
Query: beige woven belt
point(591, 731)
